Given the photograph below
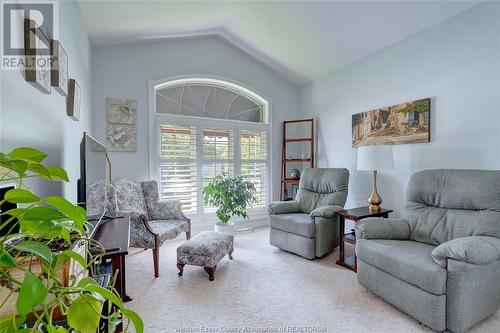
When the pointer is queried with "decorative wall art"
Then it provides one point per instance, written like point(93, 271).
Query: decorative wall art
point(121, 117)
point(59, 76)
point(398, 124)
point(37, 57)
point(121, 110)
point(122, 137)
point(74, 100)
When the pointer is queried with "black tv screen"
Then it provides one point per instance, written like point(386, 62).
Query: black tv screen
point(12, 227)
point(93, 179)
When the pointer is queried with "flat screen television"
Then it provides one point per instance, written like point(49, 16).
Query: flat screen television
point(12, 227)
point(93, 180)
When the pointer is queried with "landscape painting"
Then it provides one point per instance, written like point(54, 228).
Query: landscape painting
point(399, 124)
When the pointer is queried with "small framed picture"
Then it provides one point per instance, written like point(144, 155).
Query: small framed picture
point(74, 100)
point(37, 57)
point(121, 110)
point(122, 137)
point(59, 76)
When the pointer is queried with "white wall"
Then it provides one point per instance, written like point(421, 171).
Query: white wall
point(30, 118)
point(456, 63)
point(124, 71)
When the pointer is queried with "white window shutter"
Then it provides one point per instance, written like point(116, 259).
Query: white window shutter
point(178, 165)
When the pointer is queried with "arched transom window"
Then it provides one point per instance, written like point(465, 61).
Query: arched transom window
point(209, 99)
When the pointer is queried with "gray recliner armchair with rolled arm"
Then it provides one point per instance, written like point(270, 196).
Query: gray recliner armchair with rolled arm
point(440, 262)
point(308, 226)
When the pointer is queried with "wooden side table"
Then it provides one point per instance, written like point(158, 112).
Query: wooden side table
point(353, 214)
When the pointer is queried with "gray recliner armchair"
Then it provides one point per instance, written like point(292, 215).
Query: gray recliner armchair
point(440, 262)
point(308, 226)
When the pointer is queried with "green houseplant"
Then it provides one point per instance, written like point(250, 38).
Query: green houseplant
point(37, 293)
point(231, 196)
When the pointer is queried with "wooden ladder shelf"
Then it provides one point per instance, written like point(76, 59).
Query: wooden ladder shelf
point(286, 160)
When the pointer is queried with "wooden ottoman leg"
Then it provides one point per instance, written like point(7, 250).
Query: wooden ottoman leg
point(230, 254)
point(210, 271)
point(181, 268)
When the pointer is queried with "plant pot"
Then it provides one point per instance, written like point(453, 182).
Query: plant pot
point(70, 269)
point(226, 228)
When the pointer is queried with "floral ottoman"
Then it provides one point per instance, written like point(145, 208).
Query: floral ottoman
point(205, 249)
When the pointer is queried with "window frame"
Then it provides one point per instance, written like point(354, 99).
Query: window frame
point(202, 123)
point(201, 219)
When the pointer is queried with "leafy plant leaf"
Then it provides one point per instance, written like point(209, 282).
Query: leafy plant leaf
point(113, 298)
point(14, 212)
point(56, 329)
point(38, 169)
point(57, 173)
point(86, 281)
point(135, 319)
point(107, 294)
point(9, 325)
point(71, 211)
point(6, 259)
point(42, 214)
point(44, 229)
point(26, 153)
point(18, 195)
point(17, 166)
point(31, 294)
point(75, 256)
point(84, 313)
point(39, 249)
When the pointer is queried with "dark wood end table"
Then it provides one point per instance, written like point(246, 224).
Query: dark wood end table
point(353, 214)
point(114, 236)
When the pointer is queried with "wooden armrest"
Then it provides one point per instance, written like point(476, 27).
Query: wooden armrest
point(145, 221)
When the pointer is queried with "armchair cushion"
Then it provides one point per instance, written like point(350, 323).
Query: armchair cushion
point(380, 228)
point(298, 224)
point(283, 207)
point(129, 196)
point(169, 229)
point(165, 210)
point(165, 229)
point(477, 250)
point(328, 211)
point(406, 260)
point(322, 186)
point(150, 191)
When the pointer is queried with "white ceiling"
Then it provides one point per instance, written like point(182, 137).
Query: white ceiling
point(302, 40)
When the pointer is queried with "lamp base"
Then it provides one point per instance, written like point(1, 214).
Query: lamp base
point(375, 200)
point(374, 208)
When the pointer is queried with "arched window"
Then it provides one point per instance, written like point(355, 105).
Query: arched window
point(210, 99)
point(206, 127)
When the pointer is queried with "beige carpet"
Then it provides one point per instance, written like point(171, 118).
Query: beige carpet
point(262, 290)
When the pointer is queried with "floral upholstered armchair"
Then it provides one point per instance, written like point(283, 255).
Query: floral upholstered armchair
point(152, 221)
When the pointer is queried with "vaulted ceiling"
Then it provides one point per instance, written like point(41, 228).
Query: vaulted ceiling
point(302, 40)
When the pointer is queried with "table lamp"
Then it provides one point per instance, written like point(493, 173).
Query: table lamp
point(375, 158)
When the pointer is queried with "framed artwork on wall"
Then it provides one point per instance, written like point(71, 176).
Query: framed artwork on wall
point(59, 76)
point(121, 111)
point(74, 100)
point(398, 124)
point(122, 137)
point(37, 57)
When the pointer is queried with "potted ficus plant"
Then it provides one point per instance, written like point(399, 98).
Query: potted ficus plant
point(38, 289)
point(231, 196)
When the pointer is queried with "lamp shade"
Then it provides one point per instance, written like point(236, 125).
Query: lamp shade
point(375, 158)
